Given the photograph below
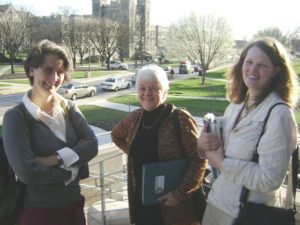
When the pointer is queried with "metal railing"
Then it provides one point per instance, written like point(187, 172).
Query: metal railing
point(107, 183)
point(108, 180)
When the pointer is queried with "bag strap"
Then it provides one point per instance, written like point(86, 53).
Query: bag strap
point(175, 119)
point(255, 157)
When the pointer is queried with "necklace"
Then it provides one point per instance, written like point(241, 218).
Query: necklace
point(155, 121)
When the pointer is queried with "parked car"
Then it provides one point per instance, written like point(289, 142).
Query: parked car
point(197, 68)
point(118, 65)
point(114, 83)
point(185, 68)
point(74, 90)
point(133, 79)
point(170, 72)
point(166, 68)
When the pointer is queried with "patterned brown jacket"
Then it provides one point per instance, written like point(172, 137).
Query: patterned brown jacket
point(123, 135)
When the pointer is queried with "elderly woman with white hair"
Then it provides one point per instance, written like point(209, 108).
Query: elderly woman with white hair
point(148, 135)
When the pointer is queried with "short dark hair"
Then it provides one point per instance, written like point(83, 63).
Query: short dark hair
point(36, 56)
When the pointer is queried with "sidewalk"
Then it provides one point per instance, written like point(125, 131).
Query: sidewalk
point(114, 74)
point(129, 108)
point(13, 88)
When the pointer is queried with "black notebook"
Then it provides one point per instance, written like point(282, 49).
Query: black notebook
point(160, 178)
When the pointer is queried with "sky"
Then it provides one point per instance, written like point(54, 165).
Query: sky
point(244, 17)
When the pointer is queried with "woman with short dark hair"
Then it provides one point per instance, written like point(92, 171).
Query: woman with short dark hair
point(48, 142)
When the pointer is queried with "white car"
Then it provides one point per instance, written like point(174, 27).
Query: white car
point(115, 84)
point(118, 65)
point(133, 79)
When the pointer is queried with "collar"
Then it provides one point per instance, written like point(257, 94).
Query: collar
point(36, 111)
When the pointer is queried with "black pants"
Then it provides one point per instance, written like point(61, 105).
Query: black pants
point(148, 215)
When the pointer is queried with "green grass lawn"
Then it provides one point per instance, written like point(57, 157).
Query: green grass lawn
point(102, 117)
point(197, 107)
point(17, 68)
point(98, 73)
point(18, 81)
point(219, 74)
point(4, 85)
point(192, 87)
point(296, 65)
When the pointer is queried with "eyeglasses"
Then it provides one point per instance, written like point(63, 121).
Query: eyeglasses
point(151, 90)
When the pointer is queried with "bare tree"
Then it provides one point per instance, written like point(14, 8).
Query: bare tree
point(104, 37)
point(14, 31)
point(124, 35)
point(274, 32)
point(75, 37)
point(84, 40)
point(140, 35)
point(295, 41)
point(205, 38)
point(66, 10)
point(46, 28)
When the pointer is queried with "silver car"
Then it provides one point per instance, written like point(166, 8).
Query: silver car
point(114, 83)
point(118, 65)
point(76, 90)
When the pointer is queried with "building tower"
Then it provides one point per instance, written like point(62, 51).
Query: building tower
point(96, 8)
point(143, 14)
point(133, 14)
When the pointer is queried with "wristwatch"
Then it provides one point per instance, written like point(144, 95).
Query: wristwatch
point(60, 161)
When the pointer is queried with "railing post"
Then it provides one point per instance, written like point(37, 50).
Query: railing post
point(102, 194)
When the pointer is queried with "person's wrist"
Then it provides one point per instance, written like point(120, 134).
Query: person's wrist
point(59, 159)
point(202, 155)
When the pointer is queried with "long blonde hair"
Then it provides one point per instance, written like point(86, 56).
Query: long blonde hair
point(285, 84)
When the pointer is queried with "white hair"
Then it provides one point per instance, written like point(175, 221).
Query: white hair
point(153, 73)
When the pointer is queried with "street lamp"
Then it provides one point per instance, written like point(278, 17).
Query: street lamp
point(89, 59)
point(88, 73)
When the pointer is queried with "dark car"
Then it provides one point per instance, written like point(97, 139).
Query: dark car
point(169, 71)
point(185, 68)
point(197, 68)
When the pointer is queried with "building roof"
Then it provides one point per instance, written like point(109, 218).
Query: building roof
point(3, 8)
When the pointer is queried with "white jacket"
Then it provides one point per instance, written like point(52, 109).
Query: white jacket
point(265, 178)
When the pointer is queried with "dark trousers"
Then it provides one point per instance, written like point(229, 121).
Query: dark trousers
point(70, 215)
point(148, 215)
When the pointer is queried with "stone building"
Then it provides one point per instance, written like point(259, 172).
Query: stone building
point(136, 15)
point(141, 38)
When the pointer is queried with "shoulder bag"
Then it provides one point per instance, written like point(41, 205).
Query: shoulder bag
point(260, 214)
point(12, 190)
